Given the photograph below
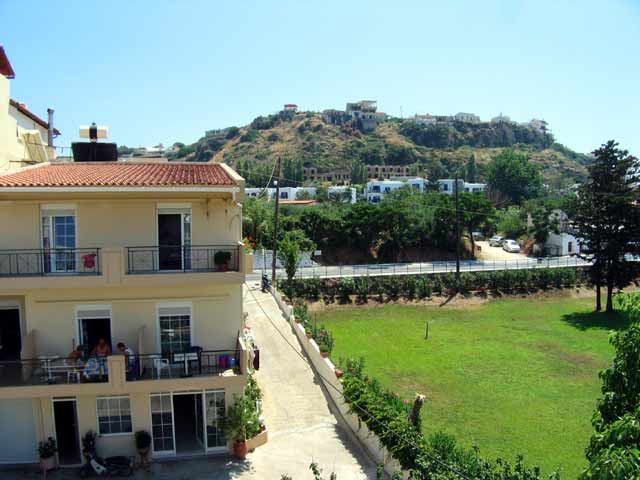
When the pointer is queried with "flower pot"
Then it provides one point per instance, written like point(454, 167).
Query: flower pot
point(48, 463)
point(240, 449)
point(339, 373)
point(324, 354)
point(309, 335)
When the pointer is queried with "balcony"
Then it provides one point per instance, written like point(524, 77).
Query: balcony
point(195, 363)
point(187, 258)
point(53, 370)
point(49, 262)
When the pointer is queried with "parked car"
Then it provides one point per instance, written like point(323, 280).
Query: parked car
point(496, 241)
point(477, 235)
point(511, 246)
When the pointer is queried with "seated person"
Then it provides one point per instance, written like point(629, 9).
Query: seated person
point(102, 349)
point(76, 355)
point(129, 356)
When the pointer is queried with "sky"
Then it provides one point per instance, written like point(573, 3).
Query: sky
point(166, 71)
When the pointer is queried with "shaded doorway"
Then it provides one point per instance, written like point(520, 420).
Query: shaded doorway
point(66, 425)
point(10, 338)
point(92, 330)
point(188, 421)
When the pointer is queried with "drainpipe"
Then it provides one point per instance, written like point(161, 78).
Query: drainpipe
point(50, 127)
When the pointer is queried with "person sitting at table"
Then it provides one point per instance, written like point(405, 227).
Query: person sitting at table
point(102, 349)
point(129, 356)
point(77, 354)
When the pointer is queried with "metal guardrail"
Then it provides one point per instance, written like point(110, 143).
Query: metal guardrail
point(56, 261)
point(194, 363)
point(426, 268)
point(50, 370)
point(185, 258)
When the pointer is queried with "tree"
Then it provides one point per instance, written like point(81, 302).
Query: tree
point(512, 175)
point(607, 218)
point(544, 223)
point(613, 449)
point(511, 222)
point(472, 170)
point(290, 249)
point(358, 172)
point(475, 212)
point(256, 221)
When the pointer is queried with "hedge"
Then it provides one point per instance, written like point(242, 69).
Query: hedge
point(433, 458)
point(423, 286)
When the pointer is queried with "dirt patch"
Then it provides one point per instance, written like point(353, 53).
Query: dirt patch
point(576, 359)
point(470, 301)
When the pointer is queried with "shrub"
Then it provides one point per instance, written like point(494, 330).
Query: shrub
point(346, 288)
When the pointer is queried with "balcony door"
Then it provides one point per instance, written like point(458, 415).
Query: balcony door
point(59, 240)
point(174, 239)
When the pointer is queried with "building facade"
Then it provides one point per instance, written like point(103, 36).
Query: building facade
point(448, 186)
point(377, 189)
point(25, 138)
point(99, 254)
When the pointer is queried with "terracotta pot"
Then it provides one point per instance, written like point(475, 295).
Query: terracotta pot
point(324, 354)
point(47, 464)
point(240, 449)
point(339, 373)
point(309, 335)
point(298, 320)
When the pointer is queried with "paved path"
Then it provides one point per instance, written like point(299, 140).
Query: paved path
point(301, 427)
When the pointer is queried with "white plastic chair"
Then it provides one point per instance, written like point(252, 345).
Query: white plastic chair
point(160, 364)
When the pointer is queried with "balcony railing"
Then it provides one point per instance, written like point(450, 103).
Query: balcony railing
point(58, 261)
point(53, 370)
point(195, 363)
point(186, 258)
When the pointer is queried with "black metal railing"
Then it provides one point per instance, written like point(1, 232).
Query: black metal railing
point(55, 261)
point(194, 363)
point(52, 370)
point(185, 258)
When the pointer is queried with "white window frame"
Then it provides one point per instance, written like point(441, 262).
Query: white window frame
point(88, 308)
point(49, 210)
point(112, 397)
point(160, 306)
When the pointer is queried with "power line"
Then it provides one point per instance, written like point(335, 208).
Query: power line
point(362, 409)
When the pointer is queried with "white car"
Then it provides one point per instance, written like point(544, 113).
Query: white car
point(496, 241)
point(510, 246)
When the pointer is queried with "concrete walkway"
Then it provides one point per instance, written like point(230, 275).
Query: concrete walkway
point(301, 427)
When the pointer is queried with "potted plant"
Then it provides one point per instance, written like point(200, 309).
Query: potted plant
point(47, 450)
point(221, 260)
point(234, 426)
point(308, 332)
point(143, 445)
point(324, 350)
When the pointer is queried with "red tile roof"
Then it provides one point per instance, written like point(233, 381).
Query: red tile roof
point(5, 65)
point(28, 113)
point(122, 174)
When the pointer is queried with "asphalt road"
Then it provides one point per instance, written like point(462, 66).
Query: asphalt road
point(427, 267)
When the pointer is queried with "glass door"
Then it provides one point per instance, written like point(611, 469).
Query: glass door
point(59, 243)
point(215, 409)
point(174, 240)
point(162, 426)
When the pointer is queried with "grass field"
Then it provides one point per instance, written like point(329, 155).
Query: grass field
point(512, 376)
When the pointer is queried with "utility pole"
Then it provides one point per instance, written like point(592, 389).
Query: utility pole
point(457, 232)
point(275, 226)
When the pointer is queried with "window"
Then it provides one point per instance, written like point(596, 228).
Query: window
point(175, 329)
point(215, 410)
point(445, 187)
point(570, 247)
point(114, 415)
point(162, 422)
point(59, 238)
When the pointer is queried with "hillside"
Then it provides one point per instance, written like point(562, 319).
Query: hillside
point(305, 139)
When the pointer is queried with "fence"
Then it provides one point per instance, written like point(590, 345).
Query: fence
point(155, 366)
point(57, 261)
point(188, 258)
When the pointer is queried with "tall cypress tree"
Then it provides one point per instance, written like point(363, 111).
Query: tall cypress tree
point(472, 171)
point(607, 218)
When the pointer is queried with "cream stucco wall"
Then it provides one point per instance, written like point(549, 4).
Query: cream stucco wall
point(13, 154)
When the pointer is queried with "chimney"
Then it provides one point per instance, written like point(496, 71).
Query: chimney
point(50, 127)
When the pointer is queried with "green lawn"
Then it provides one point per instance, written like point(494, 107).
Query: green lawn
point(512, 376)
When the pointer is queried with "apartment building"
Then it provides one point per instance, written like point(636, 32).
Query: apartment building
point(97, 254)
point(313, 174)
point(447, 186)
point(25, 138)
point(377, 189)
point(387, 171)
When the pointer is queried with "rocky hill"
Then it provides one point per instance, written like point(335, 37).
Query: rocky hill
point(306, 139)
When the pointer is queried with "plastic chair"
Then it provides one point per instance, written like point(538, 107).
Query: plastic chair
point(160, 364)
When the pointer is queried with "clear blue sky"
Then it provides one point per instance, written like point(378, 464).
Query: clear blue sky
point(165, 71)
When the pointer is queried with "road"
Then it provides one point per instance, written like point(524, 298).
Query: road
point(428, 267)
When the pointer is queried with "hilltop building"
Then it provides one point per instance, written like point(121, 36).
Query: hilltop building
point(290, 107)
point(448, 186)
point(364, 114)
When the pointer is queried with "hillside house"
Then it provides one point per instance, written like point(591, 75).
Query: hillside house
point(447, 186)
point(566, 241)
point(147, 254)
point(377, 189)
point(290, 107)
point(466, 117)
point(387, 171)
